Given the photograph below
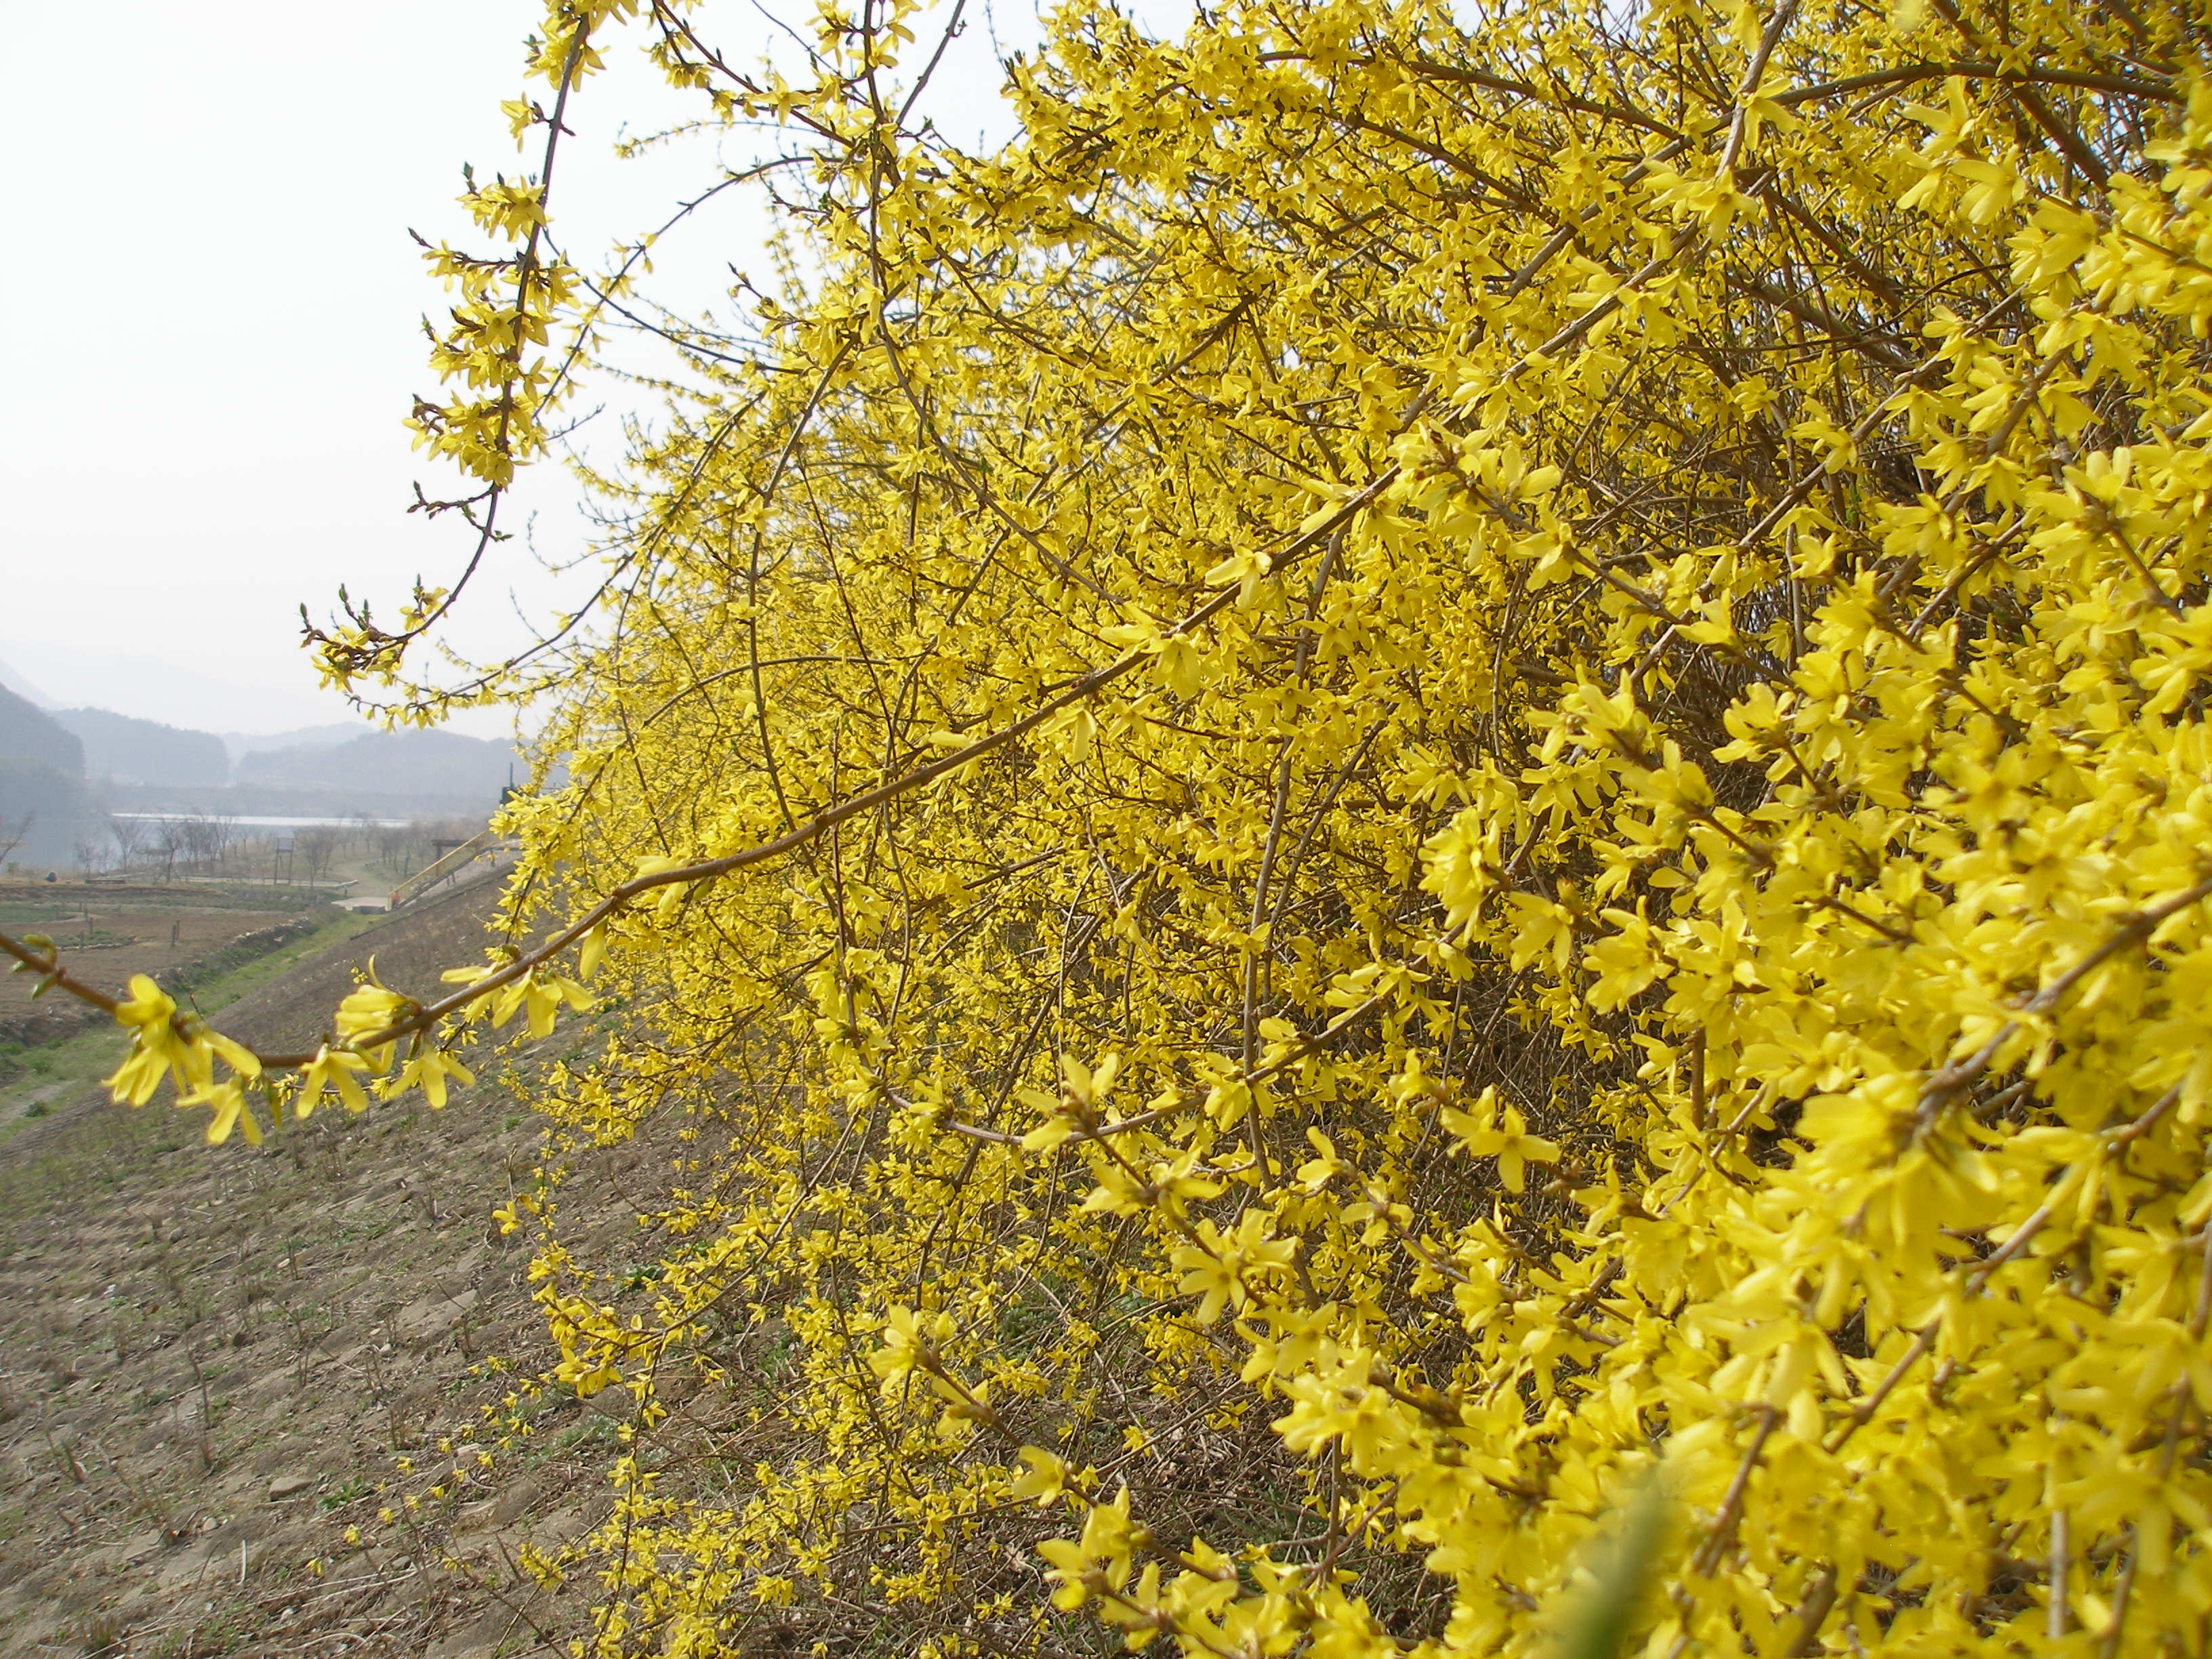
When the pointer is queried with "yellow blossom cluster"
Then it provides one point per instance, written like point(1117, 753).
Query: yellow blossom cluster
point(1475, 744)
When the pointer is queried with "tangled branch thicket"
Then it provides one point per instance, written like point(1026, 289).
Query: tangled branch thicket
point(1612, 891)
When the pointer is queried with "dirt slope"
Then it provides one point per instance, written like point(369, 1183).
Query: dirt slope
point(210, 1358)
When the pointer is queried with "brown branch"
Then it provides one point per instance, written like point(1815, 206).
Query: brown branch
point(1819, 1600)
point(1731, 1512)
point(2070, 143)
point(2124, 85)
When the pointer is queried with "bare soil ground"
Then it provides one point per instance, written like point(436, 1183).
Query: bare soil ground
point(219, 1367)
point(111, 931)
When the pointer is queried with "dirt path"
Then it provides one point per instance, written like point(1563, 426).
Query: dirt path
point(212, 1359)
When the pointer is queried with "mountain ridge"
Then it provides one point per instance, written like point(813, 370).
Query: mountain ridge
point(128, 750)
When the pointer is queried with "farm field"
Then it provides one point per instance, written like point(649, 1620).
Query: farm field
point(186, 934)
point(214, 1362)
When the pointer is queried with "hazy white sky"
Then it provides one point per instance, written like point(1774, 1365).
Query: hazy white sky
point(209, 313)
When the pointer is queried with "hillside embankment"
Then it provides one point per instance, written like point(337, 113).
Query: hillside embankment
point(223, 1371)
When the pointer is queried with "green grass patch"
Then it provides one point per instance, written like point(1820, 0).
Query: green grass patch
point(226, 988)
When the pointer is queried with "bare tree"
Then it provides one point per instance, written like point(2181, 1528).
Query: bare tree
point(258, 850)
point(222, 835)
point(316, 845)
point(192, 831)
point(207, 838)
point(170, 837)
point(132, 838)
point(12, 836)
point(392, 841)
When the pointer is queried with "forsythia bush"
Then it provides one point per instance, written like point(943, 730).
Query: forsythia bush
point(1441, 764)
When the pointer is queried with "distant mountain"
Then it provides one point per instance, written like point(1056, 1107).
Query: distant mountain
point(42, 795)
point(12, 681)
point(389, 765)
point(45, 812)
point(128, 751)
point(242, 743)
point(189, 690)
point(28, 732)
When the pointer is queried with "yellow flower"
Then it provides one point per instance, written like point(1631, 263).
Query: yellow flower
point(228, 1111)
point(1508, 1141)
point(337, 1069)
point(429, 1072)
